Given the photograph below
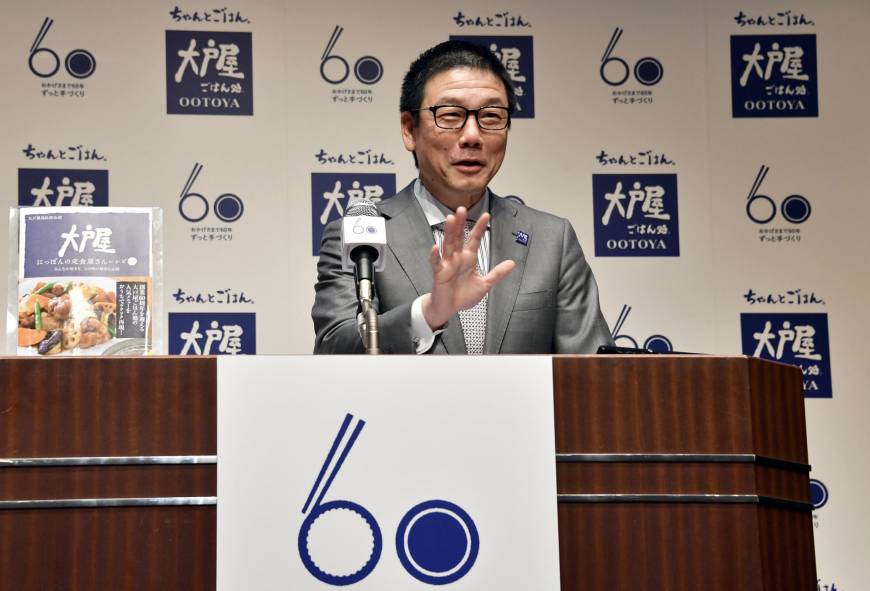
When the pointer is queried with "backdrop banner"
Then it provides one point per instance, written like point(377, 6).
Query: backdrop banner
point(712, 157)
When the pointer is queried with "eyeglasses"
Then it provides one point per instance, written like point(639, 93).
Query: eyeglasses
point(455, 117)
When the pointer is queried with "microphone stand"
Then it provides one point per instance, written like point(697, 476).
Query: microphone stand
point(366, 291)
point(370, 319)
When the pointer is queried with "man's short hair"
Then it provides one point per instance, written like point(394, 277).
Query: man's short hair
point(446, 56)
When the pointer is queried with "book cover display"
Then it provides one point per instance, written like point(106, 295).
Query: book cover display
point(85, 281)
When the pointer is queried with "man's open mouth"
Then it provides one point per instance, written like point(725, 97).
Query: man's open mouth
point(469, 165)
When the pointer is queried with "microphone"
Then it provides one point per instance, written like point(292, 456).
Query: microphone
point(363, 238)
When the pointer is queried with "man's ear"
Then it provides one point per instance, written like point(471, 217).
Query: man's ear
point(408, 129)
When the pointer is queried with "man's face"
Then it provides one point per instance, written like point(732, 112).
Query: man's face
point(457, 165)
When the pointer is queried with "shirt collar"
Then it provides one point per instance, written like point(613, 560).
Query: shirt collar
point(436, 212)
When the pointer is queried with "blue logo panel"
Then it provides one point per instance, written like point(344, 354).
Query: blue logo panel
point(635, 215)
point(774, 76)
point(59, 186)
point(212, 333)
point(796, 339)
point(330, 193)
point(516, 53)
point(209, 73)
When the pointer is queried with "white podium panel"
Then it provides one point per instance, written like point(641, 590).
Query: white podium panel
point(386, 473)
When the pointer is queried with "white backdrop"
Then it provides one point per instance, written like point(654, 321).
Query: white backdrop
point(262, 277)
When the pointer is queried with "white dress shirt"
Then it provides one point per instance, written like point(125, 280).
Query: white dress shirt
point(436, 213)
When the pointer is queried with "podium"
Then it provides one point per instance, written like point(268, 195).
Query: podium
point(673, 473)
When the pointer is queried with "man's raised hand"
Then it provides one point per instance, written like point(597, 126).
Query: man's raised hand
point(456, 283)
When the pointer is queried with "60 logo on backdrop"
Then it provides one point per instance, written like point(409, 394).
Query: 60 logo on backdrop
point(761, 209)
point(437, 541)
point(195, 207)
point(615, 70)
point(45, 62)
point(654, 343)
point(335, 69)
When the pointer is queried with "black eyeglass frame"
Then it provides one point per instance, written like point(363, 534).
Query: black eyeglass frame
point(434, 110)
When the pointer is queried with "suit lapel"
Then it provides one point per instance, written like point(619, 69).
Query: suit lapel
point(410, 238)
point(503, 246)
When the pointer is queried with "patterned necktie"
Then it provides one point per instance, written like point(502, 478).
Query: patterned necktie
point(473, 320)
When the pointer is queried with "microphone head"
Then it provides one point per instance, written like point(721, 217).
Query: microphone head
point(359, 206)
point(363, 229)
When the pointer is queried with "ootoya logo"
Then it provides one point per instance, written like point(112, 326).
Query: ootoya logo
point(615, 71)
point(635, 215)
point(774, 76)
point(516, 53)
point(195, 207)
point(209, 73)
point(335, 69)
point(42, 187)
point(797, 339)
point(45, 62)
point(214, 333)
point(762, 209)
point(818, 493)
point(437, 541)
point(330, 193)
point(654, 344)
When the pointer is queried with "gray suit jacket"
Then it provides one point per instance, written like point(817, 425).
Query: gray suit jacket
point(548, 304)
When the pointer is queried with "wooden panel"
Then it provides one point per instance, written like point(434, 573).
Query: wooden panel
point(107, 406)
point(88, 482)
point(787, 549)
point(660, 547)
point(652, 404)
point(119, 549)
point(779, 429)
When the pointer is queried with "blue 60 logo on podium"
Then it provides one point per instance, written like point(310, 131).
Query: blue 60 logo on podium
point(647, 70)
point(761, 209)
point(436, 541)
point(79, 63)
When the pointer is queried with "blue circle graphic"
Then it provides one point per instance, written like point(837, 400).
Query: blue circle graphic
point(329, 578)
point(796, 209)
point(658, 344)
point(368, 69)
point(228, 207)
point(818, 493)
point(80, 63)
point(437, 542)
point(648, 71)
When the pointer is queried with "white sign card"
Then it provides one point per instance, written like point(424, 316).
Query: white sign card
point(386, 473)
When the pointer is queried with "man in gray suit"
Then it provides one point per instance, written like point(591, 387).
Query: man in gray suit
point(466, 271)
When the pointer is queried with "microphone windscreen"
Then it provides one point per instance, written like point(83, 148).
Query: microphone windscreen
point(357, 207)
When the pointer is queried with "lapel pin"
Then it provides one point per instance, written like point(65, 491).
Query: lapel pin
point(522, 238)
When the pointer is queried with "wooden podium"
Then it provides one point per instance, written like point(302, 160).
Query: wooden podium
point(673, 472)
